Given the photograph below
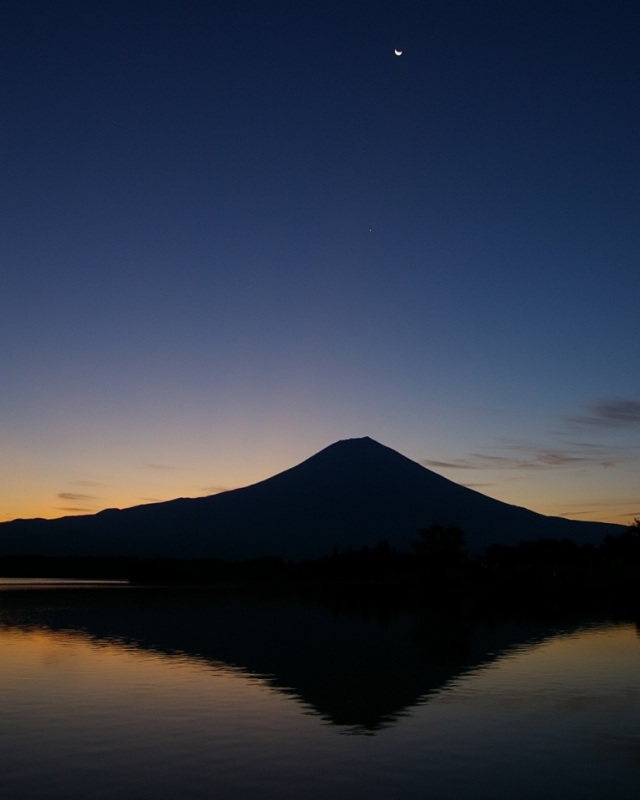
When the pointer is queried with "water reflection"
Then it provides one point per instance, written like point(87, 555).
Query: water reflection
point(153, 694)
point(361, 666)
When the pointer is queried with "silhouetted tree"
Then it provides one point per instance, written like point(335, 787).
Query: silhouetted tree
point(625, 547)
point(441, 546)
point(551, 553)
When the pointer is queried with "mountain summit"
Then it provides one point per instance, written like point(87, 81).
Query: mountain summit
point(355, 492)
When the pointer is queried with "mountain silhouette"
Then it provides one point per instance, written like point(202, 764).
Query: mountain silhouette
point(353, 493)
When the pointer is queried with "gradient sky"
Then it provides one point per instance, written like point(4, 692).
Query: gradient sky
point(234, 232)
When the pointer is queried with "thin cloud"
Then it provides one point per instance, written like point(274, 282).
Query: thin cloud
point(78, 497)
point(73, 509)
point(534, 459)
point(455, 464)
point(619, 413)
point(571, 454)
point(626, 515)
point(215, 489)
point(603, 506)
point(524, 456)
point(574, 513)
point(164, 467)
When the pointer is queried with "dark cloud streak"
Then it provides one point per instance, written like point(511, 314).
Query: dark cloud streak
point(523, 456)
point(618, 413)
point(458, 464)
point(533, 458)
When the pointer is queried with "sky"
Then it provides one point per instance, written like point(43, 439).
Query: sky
point(235, 232)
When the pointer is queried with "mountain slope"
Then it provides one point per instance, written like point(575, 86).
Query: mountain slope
point(352, 493)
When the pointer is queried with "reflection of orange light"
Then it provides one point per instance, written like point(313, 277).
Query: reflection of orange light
point(534, 666)
point(113, 665)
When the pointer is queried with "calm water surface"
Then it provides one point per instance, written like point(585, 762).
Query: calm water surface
point(127, 693)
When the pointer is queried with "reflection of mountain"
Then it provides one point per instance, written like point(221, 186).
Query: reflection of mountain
point(353, 669)
point(354, 492)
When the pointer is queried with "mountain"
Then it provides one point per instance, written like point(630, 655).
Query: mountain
point(352, 493)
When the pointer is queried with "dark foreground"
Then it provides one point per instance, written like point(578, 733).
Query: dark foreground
point(537, 574)
point(249, 693)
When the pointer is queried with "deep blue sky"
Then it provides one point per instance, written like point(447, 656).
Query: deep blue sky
point(233, 232)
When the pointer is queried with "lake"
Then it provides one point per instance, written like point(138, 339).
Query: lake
point(119, 692)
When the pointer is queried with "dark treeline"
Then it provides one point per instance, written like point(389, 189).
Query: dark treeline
point(438, 567)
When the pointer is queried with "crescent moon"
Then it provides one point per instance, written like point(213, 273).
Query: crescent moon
point(398, 52)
